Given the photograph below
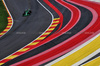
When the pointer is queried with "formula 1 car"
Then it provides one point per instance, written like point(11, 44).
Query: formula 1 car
point(27, 12)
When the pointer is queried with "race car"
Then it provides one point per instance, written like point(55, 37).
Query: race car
point(27, 12)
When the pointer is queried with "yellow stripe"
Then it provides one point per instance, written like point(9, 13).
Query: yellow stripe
point(80, 54)
point(9, 18)
point(6, 29)
point(56, 22)
point(24, 49)
point(40, 38)
point(33, 43)
point(50, 29)
point(9, 23)
point(11, 57)
point(47, 33)
point(1, 64)
point(95, 62)
point(1, 33)
point(56, 18)
point(54, 25)
point(8, 26)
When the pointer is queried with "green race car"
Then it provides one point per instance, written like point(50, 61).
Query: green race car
point(27, 12)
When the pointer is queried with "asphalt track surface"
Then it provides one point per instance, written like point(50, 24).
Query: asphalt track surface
point(83, 12)
point(25, 29)
point(70, 24)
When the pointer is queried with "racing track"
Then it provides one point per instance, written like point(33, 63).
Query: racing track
point(94, 27)
point(59, 48)
point(25, 29)
point(50, 44)
point(53, 25)
point(54, 15)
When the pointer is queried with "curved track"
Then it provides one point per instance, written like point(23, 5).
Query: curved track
point(95, 29)
point(84, 25)
point(25, 29)
point(47, 44)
